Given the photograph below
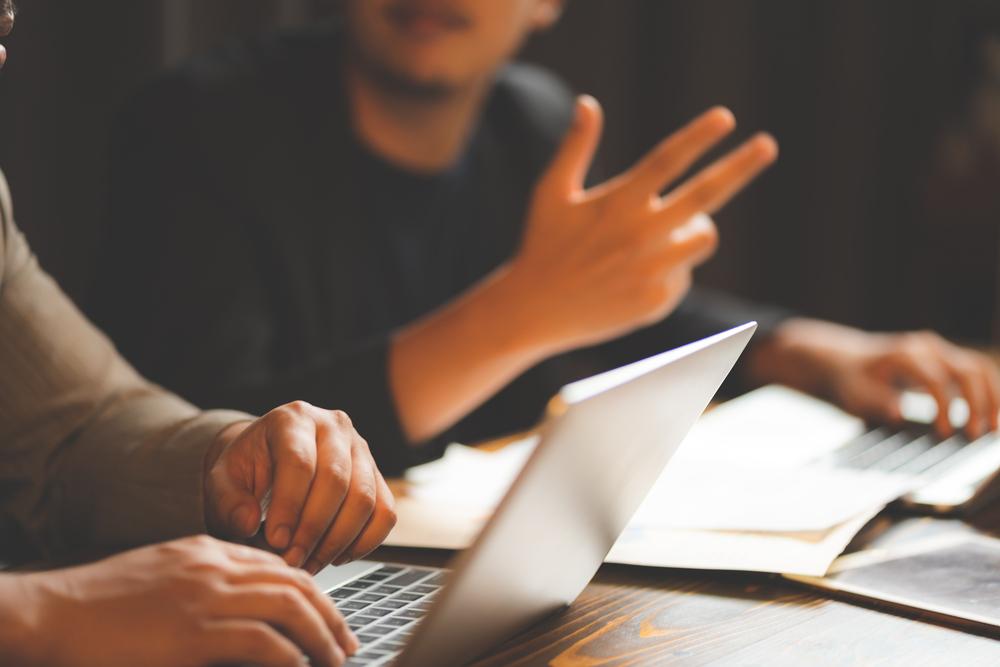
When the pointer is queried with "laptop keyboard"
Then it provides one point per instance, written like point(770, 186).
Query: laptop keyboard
point(911, 451)
point(383, 608)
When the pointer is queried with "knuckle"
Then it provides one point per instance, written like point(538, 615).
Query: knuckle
point(300, 407)
point(202, 542)
point(341, 419)
point(364, 497)
point(303, 580)
point(300, 460)
point(362, 444)
point(386, 514)
point(338, 474)
point(289, 599)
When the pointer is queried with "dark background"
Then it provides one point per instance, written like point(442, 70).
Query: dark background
point(884, 210)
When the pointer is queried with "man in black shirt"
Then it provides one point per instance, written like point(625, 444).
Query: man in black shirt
point(386, 216)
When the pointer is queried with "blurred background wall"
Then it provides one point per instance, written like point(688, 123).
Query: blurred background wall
point(884, 210)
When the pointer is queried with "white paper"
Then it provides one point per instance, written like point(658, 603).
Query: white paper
point(442, 526)
point(692, 494)
point(739, 495)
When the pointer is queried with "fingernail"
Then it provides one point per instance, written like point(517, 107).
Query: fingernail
point(295, 556)
point(355, 642)
point(282, 536)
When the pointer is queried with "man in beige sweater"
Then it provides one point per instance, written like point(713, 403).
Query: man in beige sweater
point(94, 458)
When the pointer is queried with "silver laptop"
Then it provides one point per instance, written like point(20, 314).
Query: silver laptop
point(598, 457)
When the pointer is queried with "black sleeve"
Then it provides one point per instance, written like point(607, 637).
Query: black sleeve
point(186, 289)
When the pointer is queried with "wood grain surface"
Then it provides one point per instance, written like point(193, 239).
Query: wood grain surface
point(632, 616)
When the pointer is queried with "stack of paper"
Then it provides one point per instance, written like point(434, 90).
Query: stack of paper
point(736, 496)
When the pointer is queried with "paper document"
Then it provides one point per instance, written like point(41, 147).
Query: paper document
point(738, 495)
point(689, 494)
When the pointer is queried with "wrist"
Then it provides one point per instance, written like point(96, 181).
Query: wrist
point(514, 306)
point(801, 353)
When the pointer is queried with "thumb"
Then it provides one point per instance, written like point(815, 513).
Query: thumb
point(235, 512)
point(569, 168)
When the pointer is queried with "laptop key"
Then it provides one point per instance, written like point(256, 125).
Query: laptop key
point(392, 604)
point(409, 597)
point(424, 589)
point(411, 613)
point(344, 593)
point(410, 577)
point(375, 611)
point(371, 597)
point(437, 579)
point(379, 629)
point(365, 639)
point(351, 605)
point(387, 590)
point(397, 621)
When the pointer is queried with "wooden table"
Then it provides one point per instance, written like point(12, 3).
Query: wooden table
point(653, 616)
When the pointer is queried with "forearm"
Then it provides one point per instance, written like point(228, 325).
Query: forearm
point(447, 364)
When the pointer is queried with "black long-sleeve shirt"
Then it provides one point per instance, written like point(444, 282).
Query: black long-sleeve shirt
point(257, 253)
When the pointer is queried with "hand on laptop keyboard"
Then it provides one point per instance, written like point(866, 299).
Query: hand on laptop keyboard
point(865, 373)
point(195, 601)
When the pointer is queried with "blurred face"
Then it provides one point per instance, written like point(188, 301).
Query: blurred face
point(436, 46)
point(6, 25)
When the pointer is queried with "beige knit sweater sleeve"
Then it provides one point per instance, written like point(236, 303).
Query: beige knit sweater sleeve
point(91, 455)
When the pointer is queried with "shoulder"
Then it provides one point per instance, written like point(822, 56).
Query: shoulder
point(533, 106)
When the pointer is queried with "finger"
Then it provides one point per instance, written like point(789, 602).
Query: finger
point(284, 575)
point(568, 170)
point(992, 378)
point(247, 642)
point(711, 188)
point(250, 555)
point(690, 244)
point(292, 443)
point(675, 154)
point(356, 511)
point(967, 375)
point(927, 373)
point(237, 483)
point(382, 522)
point(329, 488)
point(286, 608)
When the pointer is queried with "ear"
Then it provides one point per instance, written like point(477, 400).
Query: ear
point(546, 13)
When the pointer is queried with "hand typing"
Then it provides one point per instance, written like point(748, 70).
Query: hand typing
point(327, 500)
point(190, 602)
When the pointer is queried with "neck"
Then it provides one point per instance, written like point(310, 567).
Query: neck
point(426, 134)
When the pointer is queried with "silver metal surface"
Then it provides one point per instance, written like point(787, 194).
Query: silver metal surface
point(595, 464)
